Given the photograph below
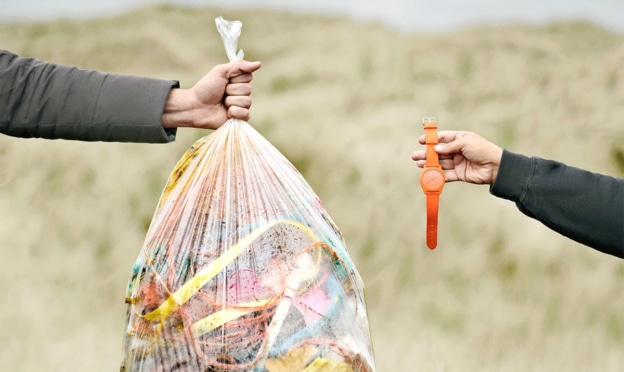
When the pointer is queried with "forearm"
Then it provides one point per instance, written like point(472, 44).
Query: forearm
point(39, 99)
point(584, 206)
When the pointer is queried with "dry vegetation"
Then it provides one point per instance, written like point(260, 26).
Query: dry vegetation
point(343, 101)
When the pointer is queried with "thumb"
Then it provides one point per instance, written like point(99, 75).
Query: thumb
point(238, 68)
point(449, 148)
point(250, 66)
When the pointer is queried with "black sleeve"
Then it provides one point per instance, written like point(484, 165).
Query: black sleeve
point(584, 206)
point(39, 99)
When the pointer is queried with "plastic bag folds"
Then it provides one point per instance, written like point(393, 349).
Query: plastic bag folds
point(242, 269)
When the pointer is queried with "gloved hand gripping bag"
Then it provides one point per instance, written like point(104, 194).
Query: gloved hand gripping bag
point(242, 269)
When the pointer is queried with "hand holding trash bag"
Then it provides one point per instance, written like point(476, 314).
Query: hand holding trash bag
point(44, 100)
point(223, 93)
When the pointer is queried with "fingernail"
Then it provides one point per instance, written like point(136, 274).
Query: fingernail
point(438, 147)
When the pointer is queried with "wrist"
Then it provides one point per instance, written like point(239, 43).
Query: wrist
point(177, 111)
point(496, 164)
point(513, 176)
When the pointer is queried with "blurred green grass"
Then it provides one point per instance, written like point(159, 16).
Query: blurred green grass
point(343, 101)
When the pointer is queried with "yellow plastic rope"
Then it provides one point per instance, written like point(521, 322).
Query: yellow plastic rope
point(193, 285)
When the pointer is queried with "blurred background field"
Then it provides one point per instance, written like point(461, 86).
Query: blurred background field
point(343, 101)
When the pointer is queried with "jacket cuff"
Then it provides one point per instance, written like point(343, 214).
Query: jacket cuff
point(514, 175)
point(131, 108)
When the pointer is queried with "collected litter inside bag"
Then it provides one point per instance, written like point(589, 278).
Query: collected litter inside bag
point(242, 269)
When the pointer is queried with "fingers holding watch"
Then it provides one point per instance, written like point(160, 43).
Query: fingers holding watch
point(465, 156)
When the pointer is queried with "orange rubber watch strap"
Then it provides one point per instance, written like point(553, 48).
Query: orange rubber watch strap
point(431, 139)
point(433, 196)
point(432, 220)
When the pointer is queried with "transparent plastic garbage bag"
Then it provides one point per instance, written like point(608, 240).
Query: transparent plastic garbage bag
point(242, 269)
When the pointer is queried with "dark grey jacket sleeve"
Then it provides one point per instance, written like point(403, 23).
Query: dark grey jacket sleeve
point(584, 206)
point(39, 99)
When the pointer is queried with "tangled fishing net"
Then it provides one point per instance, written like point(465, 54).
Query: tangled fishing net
point(242, 269)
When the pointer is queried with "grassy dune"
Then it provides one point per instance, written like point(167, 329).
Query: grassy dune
point(343, 101)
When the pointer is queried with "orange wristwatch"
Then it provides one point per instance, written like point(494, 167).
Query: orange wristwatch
point(432, 181)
